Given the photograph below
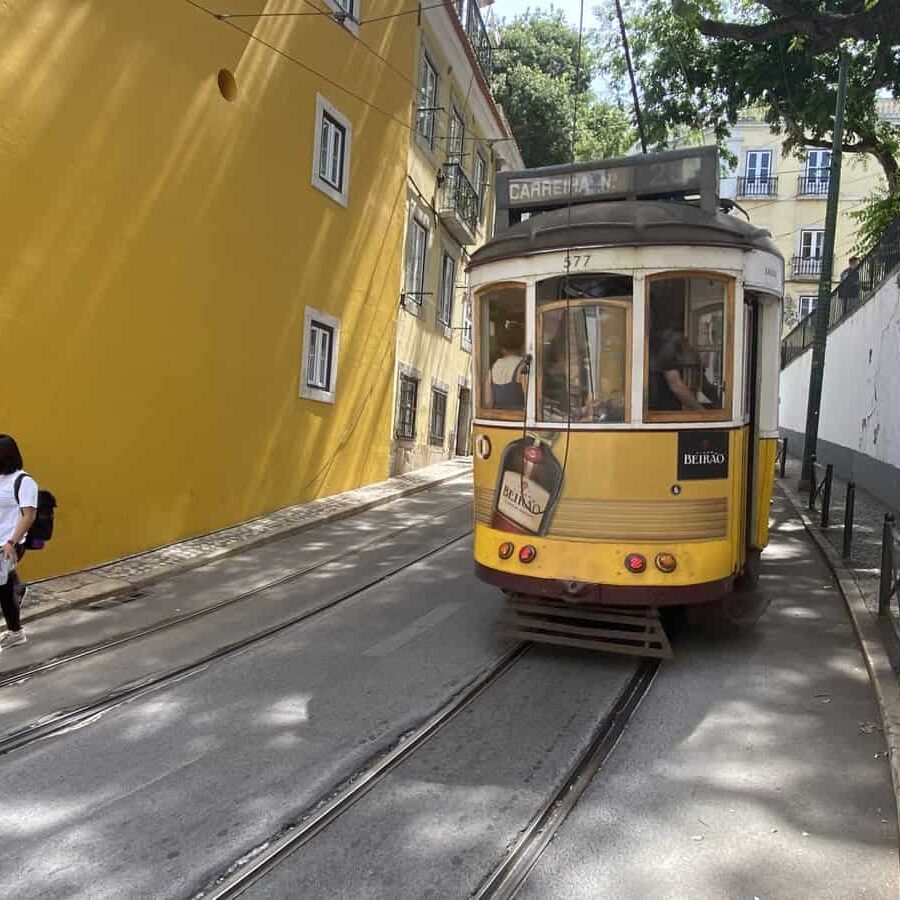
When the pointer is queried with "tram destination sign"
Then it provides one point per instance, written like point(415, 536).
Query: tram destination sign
point(676, 173)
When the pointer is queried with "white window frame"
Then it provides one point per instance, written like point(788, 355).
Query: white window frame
point(414, 287)
point(446, 293)
point(455, 121)
point(480, 167)
point(465, 335)
point(818, 153)
point(820, 243)
point(323, 109)
point(348, 18)
point(311, 318)
point(762, 154)
point(426, 135)
point(811, 306)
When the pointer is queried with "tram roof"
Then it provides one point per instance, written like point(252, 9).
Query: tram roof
point(626, 223)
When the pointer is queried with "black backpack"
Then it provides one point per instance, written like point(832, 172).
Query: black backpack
point(42, 527)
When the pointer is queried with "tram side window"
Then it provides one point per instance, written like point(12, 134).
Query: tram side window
point(687, 319)
point(504, 375)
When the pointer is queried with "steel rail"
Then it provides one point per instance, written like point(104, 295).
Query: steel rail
point(70, 719)
point(506, 879)
point(261, 861)
point(17, 676)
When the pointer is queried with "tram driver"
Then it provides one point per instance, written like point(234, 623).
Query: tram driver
point(674, 366)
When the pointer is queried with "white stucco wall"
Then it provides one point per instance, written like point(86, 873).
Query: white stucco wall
point(861, 390)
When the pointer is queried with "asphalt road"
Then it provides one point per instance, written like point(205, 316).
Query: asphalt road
point(752, 768)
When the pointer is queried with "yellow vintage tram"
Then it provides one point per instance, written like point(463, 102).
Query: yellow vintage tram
point(626, 337)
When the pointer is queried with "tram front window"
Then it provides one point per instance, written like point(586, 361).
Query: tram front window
point(504, 372)
point(584, 348)
point(686, 324)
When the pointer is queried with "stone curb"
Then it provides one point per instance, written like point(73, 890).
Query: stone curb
point(102, 586)
point(881, 673)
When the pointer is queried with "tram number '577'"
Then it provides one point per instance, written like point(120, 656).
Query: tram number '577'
point(577, 262)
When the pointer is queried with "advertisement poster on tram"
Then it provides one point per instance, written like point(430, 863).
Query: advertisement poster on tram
point(529, 484)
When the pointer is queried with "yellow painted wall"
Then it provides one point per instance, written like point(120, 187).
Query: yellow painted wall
point(423, 344)
point(158, 247)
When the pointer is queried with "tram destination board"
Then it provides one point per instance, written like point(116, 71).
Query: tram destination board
point(676, 174)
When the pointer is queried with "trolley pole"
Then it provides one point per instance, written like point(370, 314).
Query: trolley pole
point(823, 305)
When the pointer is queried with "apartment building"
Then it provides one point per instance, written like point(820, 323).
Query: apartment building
point(460, 140)
point(788, 195)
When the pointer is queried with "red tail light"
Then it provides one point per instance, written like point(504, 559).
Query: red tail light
point(635, 563)
point(527, 554)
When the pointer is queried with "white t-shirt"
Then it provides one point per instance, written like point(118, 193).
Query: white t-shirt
point(9, 509)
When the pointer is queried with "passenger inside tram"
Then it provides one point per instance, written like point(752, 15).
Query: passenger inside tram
point(506, 379)
point(686, 343)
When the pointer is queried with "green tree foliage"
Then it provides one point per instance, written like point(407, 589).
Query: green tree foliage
point(540, 83)
point(700, 62)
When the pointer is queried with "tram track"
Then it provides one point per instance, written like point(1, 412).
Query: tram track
point(510, 873)
point(70, 719)
point(508, 877)
point(15, 677)
point(254, 865)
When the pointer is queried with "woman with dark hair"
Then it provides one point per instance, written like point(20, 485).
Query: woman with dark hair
point(18, 508)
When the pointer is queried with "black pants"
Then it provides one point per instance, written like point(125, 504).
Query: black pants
point(10, 604)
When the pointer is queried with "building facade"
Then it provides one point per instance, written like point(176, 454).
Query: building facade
point(459, 142)
point(203, 234)
point(788, 195)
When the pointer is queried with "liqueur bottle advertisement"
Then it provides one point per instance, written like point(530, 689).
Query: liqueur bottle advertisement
point(528, 485)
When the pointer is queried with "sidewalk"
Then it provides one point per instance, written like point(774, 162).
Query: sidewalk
point(130, 573)
point(864, 563)
point(858, 578)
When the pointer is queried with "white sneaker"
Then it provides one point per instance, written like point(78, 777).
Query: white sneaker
point(12, 639)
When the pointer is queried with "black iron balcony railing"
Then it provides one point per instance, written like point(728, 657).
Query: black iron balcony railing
point(814, 183)
point(856, 289)
point(460, 197)
point(806, 266)
point(470, 17)
point(757, 185)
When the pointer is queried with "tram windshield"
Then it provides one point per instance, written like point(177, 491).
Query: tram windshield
point(583, 325)
point(504, 380)
point(687, 319)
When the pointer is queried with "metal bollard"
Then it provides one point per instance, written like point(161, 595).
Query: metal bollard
point(826, 494)
point(783, 456)
point(887, 565)
point(849, 504)
point(812, 481)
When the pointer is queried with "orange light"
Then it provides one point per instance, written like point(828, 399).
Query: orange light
point(506, 550)
point(635, 563)
point(666, 562)
point(527, 554)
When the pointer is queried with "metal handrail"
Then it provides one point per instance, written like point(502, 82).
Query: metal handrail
point(806, 266)
point(889, 583)
point(846, 298)
point(814, 183)
point(821, 490)
point(473, 24)
point(458, 195)
point(757, 185)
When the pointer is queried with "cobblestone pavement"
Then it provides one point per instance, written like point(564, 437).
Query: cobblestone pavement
point(868, 520)
point(124, 575)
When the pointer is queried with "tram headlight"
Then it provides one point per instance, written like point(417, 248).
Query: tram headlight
point(505, 550)
point(635, 563)
point(527, 554)
point(666, 562)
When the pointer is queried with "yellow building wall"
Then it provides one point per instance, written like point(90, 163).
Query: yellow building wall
point(422, 344)
point(158, 247)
